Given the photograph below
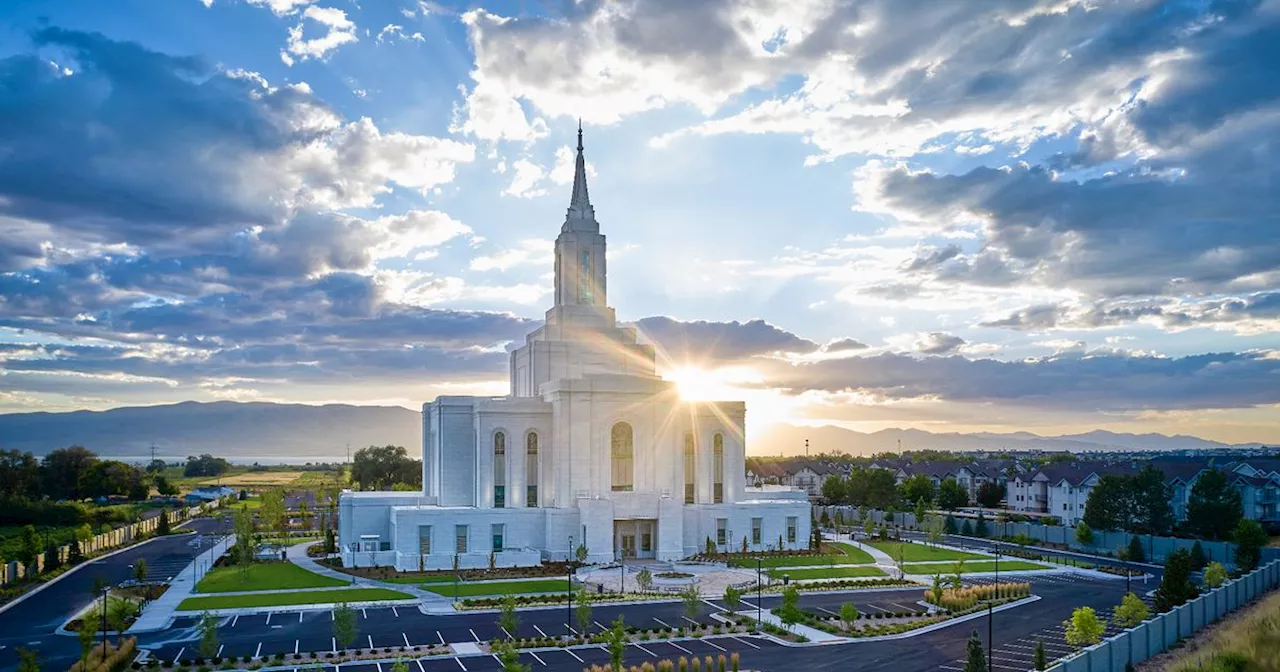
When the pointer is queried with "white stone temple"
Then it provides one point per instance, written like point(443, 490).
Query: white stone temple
point(591, 447)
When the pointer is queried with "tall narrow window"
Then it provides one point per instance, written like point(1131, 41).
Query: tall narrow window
point(791, 529)
point(424, 540)
point(689, 468)
point(499, 470)
point(756, 525)
point(460, 538)
point(498, 530)
point(621, 449)
point(585, 293)
point(531, 469)
point(717, 468)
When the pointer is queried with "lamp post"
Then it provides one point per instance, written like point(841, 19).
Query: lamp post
point(568, 620)
point(759, 592)
point(105, 589)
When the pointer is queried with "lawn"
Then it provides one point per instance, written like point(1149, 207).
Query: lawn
point(970, 567)
point(266, 576)
point(844, 554)
point(921, 553)
point(826, 573)
point(500, 587)
point(291, 599)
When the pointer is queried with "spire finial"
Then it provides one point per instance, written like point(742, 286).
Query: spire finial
point(580, 203)
point(579, 135)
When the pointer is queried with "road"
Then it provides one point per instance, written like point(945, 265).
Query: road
point(33, 622)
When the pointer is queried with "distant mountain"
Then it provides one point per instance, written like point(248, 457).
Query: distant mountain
point(237, 431)
point(266, 432)
point(789, 440)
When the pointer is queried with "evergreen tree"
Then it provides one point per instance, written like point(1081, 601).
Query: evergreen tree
point(966, 528)
point(1198, 559)
point(1175, 587)
point(980, 530)
point(975, 658)
point(75, 555)
point(1249, 538)
point(162, 524)
point(1038, 659)
point(1213, 508)
point(949, 524)
point(1135, 552)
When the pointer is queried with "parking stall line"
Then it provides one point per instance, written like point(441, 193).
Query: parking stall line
point(268, 618)
point(441, 637)
point(258, 651)
point(406, 639)
point(234, 619)
point(370, 640)
point(828, 611)
point(459, 662)
point(365, 613)
point(420, 667)
point(220, 648)
point(713, 645)
point(664, 623)
point(299, 616)
point(178, 657)
point(393, 610)
point(506, 632)
point(575, 656)
point(473, 634)
point(602, 628)
point(537, 658)
point(642, 648)
point(745, 641)
point(333, 642)
point(540, 632)
point(681, 648)
point(295, 646)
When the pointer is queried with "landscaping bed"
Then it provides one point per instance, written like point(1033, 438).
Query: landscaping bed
point(843, 585)
point(333, 596)
point(832, 553)
point(739, 625)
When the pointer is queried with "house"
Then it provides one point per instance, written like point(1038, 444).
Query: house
point(207, 493)
point(970, 475)
point(808, 476)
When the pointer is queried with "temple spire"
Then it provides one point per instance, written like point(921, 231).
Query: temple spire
point(580, 209)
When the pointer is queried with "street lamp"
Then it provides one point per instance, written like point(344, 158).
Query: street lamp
point(105, 589)
point(759, 591)
point(568, 605)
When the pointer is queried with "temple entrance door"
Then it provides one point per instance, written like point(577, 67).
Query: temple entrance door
point(635, 538)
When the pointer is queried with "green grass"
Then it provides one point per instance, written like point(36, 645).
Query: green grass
point(291, 599)
point(268, 576)
point(847, 555)
point(500, 587)
point(826, 573)
point(969, 567)
point(921, 553)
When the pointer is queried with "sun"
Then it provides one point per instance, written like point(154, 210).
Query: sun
point(694, 384)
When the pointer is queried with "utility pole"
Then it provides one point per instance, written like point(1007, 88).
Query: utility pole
point(153, 451)
point(806, 447)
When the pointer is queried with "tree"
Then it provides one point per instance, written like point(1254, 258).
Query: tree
point(140, 570)
point(957, 578)
point(208, 629)
point(691, 601)
point(1150, 494)
point(975, 659)
point(19, 475)
point(508, 619)
point(949, 525)
point(205, 465)
point(934, 527)
point(966, 528)
point(242, 550)
point(990, 494)
point(1135, 551)
point(119, 612)
point(1250, 538)
point(1084, 627)
point(789, 612)
point(32, 546)
point(345, 629)
point(381, 467)
point(834, 490)
point(1213, 507)
point(580, 553)
point(162, 524)
point(75, 555)
point(980, 529)
point(848, 615)
point(644, 579)
point(1215, 575)
point(508, 657)
point(1038, 659)
point(272, 513)
point(402, 666)
point(1175, 586)
point(63, 468)
point(28, 659)
point(1130, 612)
point(936, 589)
point(732, 598)
point(919, 513)
point(1198, 559)
point(917, 488)
point(583, 611)
point(1084, 533)
point(952, 495)
point(615, 639)
point(85, 636)
point(304, 515)
point(1109, 505)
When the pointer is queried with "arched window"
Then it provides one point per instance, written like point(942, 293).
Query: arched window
point(717, 468)
point(690, 469)
point(621, 450)
point(499, 470)
point(531, 469)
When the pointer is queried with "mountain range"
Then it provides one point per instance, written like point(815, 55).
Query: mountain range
point(270, 432)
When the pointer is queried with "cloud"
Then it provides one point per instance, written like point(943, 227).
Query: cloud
point(718, 342)
point(531, 251)
point(937, 343)
point(524, 180)
point(392, 32)
point(338, 30)
point(1249, 314)
point(844, 345)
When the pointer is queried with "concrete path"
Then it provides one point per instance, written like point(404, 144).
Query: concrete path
point(812, 634)
point(297, 554)
point(158, 614)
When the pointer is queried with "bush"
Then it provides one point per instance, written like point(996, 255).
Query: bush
point(954, 599)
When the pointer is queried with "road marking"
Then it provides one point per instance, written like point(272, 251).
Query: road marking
point(331, 614)
point(496, 659)
point(459, 662)
point(639, 646)
point(828, 611)
point(234, 619)
point(681, 648)
point(179, 656)
point(379, 666)
point(713, 645)
point(570, 652)
point(441, 637)
point(506, 632)
point(219, 653)
point(714, 605)
point(908, 609)
point(473, 634)
point(393, 610)
point(370, 640)
point(691, 621)
point(268, 618)
point(664, 623)
point(744, 641)
point(540, 632)
point(602, 628)
point(259, 651)
point(299, 616)
point(295, 646)
point(365, 613)
point(420, 667)
point(540, 660)
point(406, 639)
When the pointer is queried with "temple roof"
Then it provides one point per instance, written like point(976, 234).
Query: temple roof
point(581, 215)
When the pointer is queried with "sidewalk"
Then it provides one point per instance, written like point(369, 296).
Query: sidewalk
point(158, 614)
point(812, 634)
point(297, 554)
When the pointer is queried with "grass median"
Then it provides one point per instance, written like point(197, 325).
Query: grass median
point(800, 574)
point(264, 576)
point(499, 588)
point(947, 568)
point(291, 599)
point(836, 554)
point(912, 552)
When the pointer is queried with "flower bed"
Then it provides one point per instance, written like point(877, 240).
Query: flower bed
point(843, 584)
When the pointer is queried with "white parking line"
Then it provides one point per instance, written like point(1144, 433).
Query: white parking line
point(639, 646)
point(234, 619)
point(333, 644)
point(602, 628)
point(745, 641)
point(459, 662)
point(664, 623)
point(393, 610)
point(473, 634)
point(331, 614)
point(295, 646)
point(420, 667)
point(540, 632)
point(713, 645)
point(220, 647)
point(406, 639)
point(535, 657)
point(506, 632)
point(365, 613)
point(441, 637)
point(299, 616)
point(379, 666)
point(370, 640)
point(575, 656)
point(690, 620)
point(681, 648)
point(828, 611)
point(258, 652)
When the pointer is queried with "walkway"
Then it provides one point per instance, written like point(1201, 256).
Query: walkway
point(159, 613)
point(431, 602)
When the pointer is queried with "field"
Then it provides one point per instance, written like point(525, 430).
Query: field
point(825, 573)
point(11, 538)
point(838, 554)
point(500, 587)
point(291, 599)
point(274, 479)
point(272, 576)
point(947, 568)
point(921, 553)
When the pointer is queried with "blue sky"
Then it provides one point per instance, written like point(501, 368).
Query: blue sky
point(1045, 215)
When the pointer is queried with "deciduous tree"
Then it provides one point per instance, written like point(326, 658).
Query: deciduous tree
point(1084, 627)
point(1130, 612)
point(345, 629)
point(952, 495)
point(1213, 508)
point(1250, 538)
point(990, 494)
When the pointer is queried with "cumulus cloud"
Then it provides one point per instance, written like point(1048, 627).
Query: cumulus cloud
point(937, 343)
point(719, 342)
point(337, 31)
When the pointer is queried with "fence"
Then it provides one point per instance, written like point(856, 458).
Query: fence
point(1157, 548)
point(1159, 633)
point(13, 571)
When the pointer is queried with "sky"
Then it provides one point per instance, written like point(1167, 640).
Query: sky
point(1016, 215)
